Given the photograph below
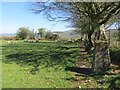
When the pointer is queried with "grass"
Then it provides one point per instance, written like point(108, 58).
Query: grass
point(19, 78)
point(51, 59)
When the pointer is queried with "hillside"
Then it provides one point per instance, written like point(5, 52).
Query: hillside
point(7, 34)
point(68, 35)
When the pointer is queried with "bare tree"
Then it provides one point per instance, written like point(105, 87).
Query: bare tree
point(93, 15)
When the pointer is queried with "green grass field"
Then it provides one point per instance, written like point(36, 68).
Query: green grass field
point(51, 59)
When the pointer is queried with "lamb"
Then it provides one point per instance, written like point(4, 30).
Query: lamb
point(37, 40)
point(25, 40)
point(70, 41)
point(10, 42)
point(28, 41)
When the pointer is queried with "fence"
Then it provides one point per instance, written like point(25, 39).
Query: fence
point(112, 38)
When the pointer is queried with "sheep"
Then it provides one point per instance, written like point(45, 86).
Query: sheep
point(37, 40)
point(10, 42)
point(25, 40)
point(31, 41)
point(70, 41)
point(59, 40)
point(77, 40)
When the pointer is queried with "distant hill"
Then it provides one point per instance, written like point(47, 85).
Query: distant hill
point(68, 34)
point(112, 31)
point(63, 34)
point(7, 34)
point(73, 35)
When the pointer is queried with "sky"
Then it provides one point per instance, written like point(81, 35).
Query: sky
point(16, 15)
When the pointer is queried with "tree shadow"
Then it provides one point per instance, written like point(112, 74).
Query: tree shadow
point(100, 78)
point(114, 83)
point(115, 56)
point(85, 71)
point(49, 57)
point(33, 55)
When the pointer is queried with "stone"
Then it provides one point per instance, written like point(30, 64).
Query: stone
point(101, 56)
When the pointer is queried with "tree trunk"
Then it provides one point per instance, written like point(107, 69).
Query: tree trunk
point(101, 51)
point(90, 40)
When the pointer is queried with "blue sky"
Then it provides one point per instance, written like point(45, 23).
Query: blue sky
point(16, 15)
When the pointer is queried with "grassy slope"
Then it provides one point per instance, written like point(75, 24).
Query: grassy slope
point(53, 59)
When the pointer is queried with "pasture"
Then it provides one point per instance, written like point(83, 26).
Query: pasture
point(49, 65)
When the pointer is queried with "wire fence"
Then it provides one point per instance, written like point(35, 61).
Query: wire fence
point(113, 40)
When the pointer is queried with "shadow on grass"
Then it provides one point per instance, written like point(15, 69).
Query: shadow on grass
point(115, 82)
point(49, 58)
point(115, 56)
point(99, 78)
point(36, 54)
point(85, 71)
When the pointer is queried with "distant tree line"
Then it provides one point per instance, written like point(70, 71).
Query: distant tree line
point(25, 33)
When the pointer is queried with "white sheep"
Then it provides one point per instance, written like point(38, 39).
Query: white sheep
point(10, 42)
point(25, 40)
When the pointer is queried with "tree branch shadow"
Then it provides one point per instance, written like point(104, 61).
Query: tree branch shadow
point(53, 56)
point(85, 71)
